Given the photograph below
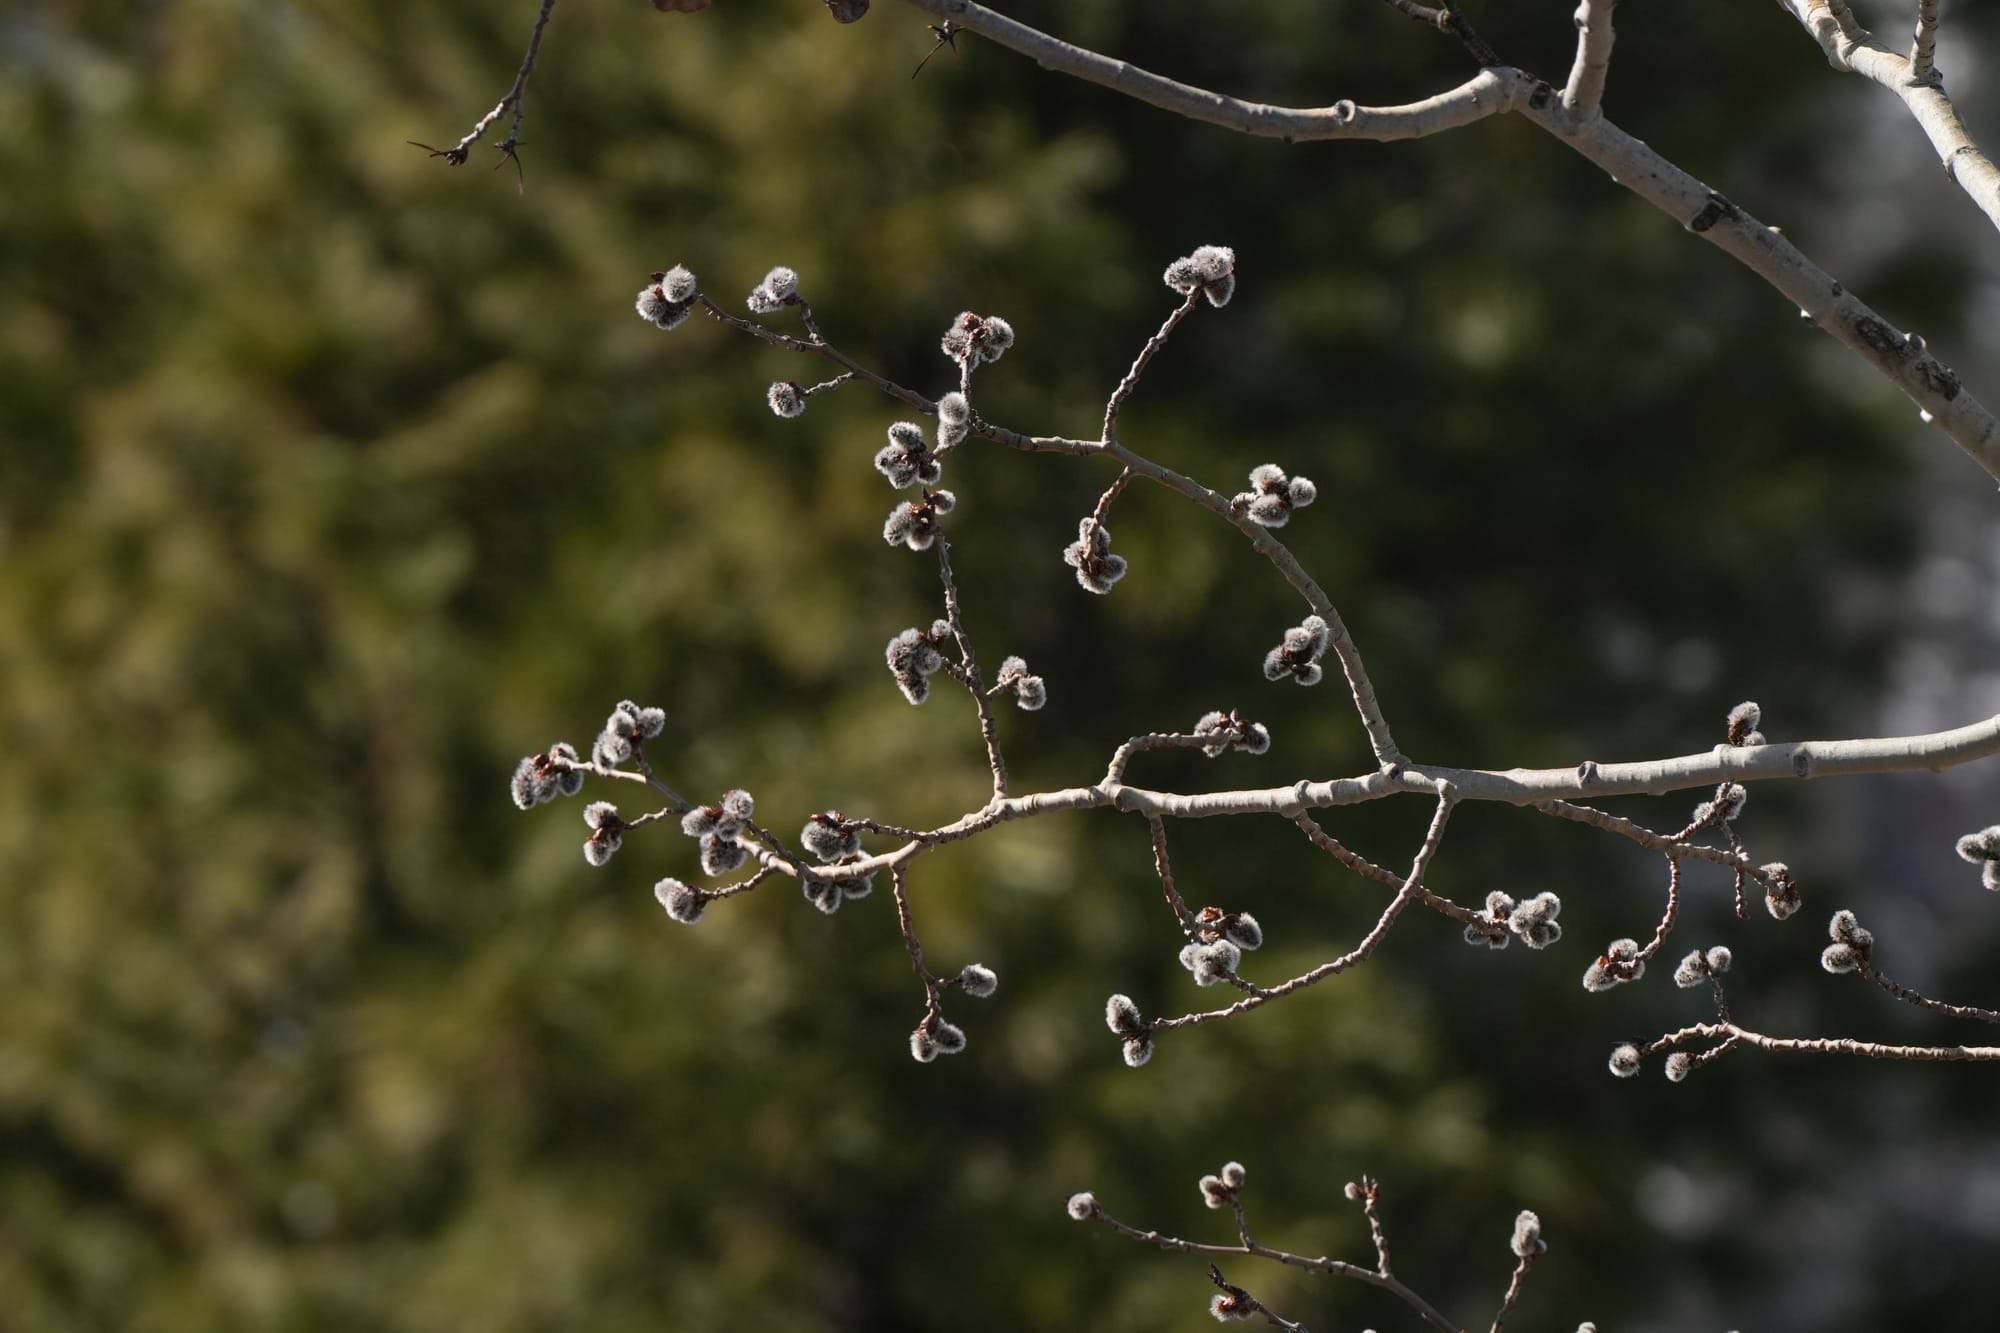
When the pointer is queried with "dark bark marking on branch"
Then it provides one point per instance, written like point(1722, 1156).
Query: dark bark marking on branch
point(1717, 209)
point(1878, 335)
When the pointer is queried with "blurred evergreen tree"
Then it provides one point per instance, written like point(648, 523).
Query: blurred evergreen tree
point(332, 480)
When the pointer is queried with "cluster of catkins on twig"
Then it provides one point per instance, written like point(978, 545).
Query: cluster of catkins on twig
point(1224, 1191)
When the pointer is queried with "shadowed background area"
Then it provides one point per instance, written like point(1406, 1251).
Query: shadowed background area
point(333, 480)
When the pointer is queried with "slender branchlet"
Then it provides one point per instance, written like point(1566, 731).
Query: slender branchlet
point(1225, 1191)
point(1215, 939)
point(509, 148)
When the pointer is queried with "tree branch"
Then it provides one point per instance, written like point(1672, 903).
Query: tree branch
point(1902, 359)
point(1850, 49)
point(1593, 58)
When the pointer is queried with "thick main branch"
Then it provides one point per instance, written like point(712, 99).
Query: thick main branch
point(1902, 359)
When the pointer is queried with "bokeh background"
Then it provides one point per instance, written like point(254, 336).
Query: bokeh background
point(333, 480)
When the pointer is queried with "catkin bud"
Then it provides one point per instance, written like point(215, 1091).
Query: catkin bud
point(786, 398)
point(1527, 1241)
point(906, 461)
point(978, 980)
point(1242, 930)
point(1847, 930)
point(1090, 555)
point(1123, 1017)
point(1723, 808)
point(720, 856)
point(1082, 1206)
point(683, 904)
point(678, 284)
point(1535, 920)
point(1782, 896)
point(1227, 1305)
point(1625, 1060)
point(1211, 269)
point(823, 894)
point(1212, 962)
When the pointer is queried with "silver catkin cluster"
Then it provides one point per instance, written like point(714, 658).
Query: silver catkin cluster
point(607, 832)
point(1030, 691)
point(786, 398)
point(1222, 940)
point(683, 904)
point(954, 420)
point(915, 524)
point(545, 776)
point(1527, 1242)
point(1983, 850)
point(1211, 270)
point(976, 339)
point(1782, 895)
point(1721, 808)
point(934, 1037)
point(1233, 731)
point(906, 460)
point(1742, 723)
point(719, 829)
point(836, 841)
point(779, 289)
point(1297, 654)
point(627, 730)
point(1127, 1023)
point(1091, 557)
point(1224, 1189)
point(914, 658)
point(1620, 962)
point(1701, 965)
point(668, 298)
point(1533, 921)
point(1852, 946)
point(1273, 496)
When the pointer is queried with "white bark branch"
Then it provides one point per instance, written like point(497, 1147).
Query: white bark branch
point(1923, 43)
point(1902, 359)
point(1488, 93)
point(1593, 58)
point(1589, 780)
point(1850, 49)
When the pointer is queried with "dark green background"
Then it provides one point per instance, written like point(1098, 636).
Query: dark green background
point(333, 480)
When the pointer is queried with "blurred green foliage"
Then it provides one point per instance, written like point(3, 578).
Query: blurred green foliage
point(333, 480)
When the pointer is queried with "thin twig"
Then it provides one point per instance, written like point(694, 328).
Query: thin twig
point(510, 150)
point(1667, 918)
point(1140, 362)
point(1361, 865)
point(1371, 1193)
point(912, 943)
point(1166, 872)
point(987, 730)
point(1449, 19)
point(1909, 996)
point(1352, 958)
point(1513, 1290)
point(1336, 1267)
